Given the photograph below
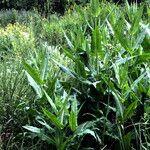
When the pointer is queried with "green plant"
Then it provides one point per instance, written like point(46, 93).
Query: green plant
point(110, 70)
point(88, 73)
point(60, 123)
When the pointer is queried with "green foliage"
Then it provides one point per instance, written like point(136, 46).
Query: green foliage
point(17, 101)
point(78, 81)
point(12, 37)
point(59, 115)
point(103, 71)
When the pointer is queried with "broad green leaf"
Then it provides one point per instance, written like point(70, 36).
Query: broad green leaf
point(145, 57)
point(33, 129)
point(72, 73)
point(83, 127)
point(122, 61)
point(110, 27)
point(148, 73)
point(64, 106)
point(73, 120)
point(146, 44)
point(148, 92)
point(78, 62)
point(73, 115)
point(33, 73)
point(123, 40)
point(70, 55)
point(44, 123)
point(96, 41)
point(53, 119)
point(127, 6)
point(92, 133)
point(35, 86)
point(40, 133)
point(124, 77)
point(66, 70)
point(146, 40)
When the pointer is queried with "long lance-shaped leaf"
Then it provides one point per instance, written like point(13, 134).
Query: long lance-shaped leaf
point(40, 133)
point(127, 140)
point(44, 66)
point(34, 85)
point(53, 119)
point(73, 120)
point(73, 116)
point(139, 39)
point(135, 83)
point(68, 41)
point(145, 57)
point(84, 129)
point(33, 73)
point(122, 61)
point(72, 73)
point(33, 129)
point(66, 70)
point(64, 106)
point(116, 70)
point(50, 101)
point(44, 123)
point(78, 62)
point(96, 41)
point(118, 104)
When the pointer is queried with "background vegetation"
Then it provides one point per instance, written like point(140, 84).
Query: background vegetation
point(49, 6)
point(77, 81)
